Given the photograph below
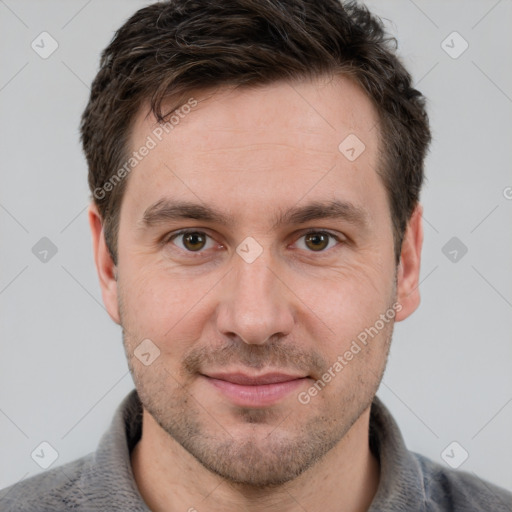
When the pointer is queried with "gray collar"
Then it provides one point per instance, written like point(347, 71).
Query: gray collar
point(401, 476)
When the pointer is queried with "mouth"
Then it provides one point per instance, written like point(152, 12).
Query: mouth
point(254, 391)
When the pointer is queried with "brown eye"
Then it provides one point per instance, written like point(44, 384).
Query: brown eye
point(317, 241)
point(193, 241)
point(190, 243)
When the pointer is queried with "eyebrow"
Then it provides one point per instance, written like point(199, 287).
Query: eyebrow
point(166, 210)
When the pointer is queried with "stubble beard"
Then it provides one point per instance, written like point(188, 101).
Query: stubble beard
point(272, 448)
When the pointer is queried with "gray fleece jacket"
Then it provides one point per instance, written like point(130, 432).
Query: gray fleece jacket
point(103, 480)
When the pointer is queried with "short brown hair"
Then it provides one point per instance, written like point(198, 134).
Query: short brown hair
point(170, 48)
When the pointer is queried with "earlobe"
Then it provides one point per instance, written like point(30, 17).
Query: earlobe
point(107, 271)
point(408, 294)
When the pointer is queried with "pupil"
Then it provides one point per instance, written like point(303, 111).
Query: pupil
point(315, 238)
point(193, 239)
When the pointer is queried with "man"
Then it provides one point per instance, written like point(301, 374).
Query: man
point(255, 168)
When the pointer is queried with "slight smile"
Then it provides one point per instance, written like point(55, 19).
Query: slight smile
point(251, 391)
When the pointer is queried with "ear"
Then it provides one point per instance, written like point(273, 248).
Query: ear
point(104, 264)
point(408, 293)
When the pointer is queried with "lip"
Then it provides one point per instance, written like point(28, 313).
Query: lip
point(248, 380)
point(255, 391)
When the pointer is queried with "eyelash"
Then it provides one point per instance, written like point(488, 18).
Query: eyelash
point(172, 236)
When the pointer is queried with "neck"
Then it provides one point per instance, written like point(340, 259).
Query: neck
point(170, 479)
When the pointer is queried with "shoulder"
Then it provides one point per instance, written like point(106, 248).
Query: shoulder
point(57, 490)
point(460, 491)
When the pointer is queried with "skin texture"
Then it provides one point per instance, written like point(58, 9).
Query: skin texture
point(253, 153)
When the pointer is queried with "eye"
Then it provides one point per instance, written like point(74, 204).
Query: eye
point(319, 241)
point(195, 241)
point(191, 241)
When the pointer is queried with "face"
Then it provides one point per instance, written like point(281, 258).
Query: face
point(254, 258)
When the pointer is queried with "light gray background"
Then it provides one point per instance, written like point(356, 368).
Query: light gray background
point(62, 366)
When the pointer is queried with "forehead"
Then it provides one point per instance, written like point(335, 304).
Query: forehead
point(318, 109)
point(262, 145)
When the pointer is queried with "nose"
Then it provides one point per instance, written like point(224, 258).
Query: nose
point(256, 305)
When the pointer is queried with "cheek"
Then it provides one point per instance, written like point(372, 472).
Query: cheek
point(348, 295)
point(350, 303)
point(161, 305)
